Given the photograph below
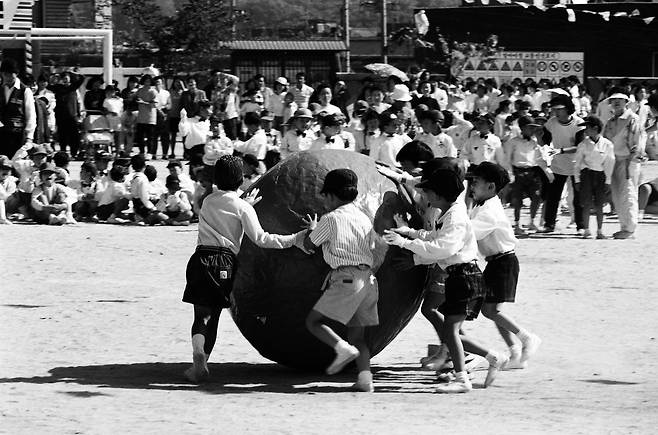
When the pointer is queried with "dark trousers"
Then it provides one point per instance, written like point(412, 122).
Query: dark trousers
point(231, 128)
point(10, 142)
point(145, 138)
point(553, 196)
point(68, 135)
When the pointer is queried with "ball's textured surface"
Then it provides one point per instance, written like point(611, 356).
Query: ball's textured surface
point(274, 290)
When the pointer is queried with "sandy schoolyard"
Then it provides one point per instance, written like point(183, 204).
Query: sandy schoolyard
point(94, 339)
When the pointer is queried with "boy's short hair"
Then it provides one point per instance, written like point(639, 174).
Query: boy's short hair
point(330, 121)
point(491, 173)
point(117, 174)
point(174, 163)
point(341, 182)
point(386, 118)
point(228, 173)
point(592, 121)
point(138, 162)
point(251, 118)
point(172, 181)
point(452, 163)
point(61, 159)
point(415, 152)
point(150, 172)
point(90, 168)
point(445, 183)
point(432, 115)
point(300, 74)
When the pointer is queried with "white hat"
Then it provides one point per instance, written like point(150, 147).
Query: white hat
point(620, 96)
point(401, 93)
point(282, 81)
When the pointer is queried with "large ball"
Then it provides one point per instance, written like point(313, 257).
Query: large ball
point(274, 290)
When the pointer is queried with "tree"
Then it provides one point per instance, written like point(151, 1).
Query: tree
point(436, 51)
point(189, 39)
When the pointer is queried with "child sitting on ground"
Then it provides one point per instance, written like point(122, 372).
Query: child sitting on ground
point(86, 191)
point(496, 243)
point(115, 198)
point(28, 176)
point(224, 220)
point(49, 199)
point(8, 198)
point(350, 295)
point(174, 205)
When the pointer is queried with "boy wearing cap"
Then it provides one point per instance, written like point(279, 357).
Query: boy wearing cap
point(300, 136)
point(28, 175)
point(453, 246)
point(387, 146)
point(624, 131)
point(527, 163)
point(330, 139)
point(439, 142)
point(350, 295)
point(8, 197)
point(273, 135)
point(223, 221)
point(256, 143)
point(49, 199)
point(496, 243)
point(595, 162)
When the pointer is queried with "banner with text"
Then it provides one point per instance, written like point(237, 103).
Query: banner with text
point(535, 65)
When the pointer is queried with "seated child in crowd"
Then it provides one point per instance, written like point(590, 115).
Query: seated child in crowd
point(115, 198)
point(8, 198)
point(49, 199)
point(174, 205)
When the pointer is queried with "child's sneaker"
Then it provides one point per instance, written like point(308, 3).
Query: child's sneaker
point(532, 227)
point(344, 355)
point(461, 384)
point(519, 231)
point(364, 383)
point(530, 346)
point(449, 376)
point(199, 370)
point(496, 363)
point(514, 363)
point(587, 234)
point(601, 236)
point(436, 361)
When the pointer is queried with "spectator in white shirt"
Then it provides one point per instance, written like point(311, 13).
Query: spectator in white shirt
point(301, 91)
point(300, 136)
point(439, 142)
point(330, 139)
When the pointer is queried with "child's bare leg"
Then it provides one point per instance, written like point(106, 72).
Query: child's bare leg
point(3, 213)
point(204, 336)
point(450, 336)
point(430, 310)
point(356, 337)
point(506, 326)
point(535, 202)
point(315, 325)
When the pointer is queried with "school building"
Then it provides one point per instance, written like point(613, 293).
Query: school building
point(603, 39)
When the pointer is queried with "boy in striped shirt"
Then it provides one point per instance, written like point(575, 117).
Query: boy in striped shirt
point(350, 289)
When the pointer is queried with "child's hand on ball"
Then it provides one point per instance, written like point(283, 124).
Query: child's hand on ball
point(252, 197)
point(310, 222)
point(393, 238)
point(400, 220)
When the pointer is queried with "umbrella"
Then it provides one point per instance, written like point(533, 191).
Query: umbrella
point(386, 70)
point(559, 91)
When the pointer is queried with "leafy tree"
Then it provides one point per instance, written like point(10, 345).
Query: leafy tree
point(189, 39)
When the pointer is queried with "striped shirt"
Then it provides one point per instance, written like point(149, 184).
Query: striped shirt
point(346, 237)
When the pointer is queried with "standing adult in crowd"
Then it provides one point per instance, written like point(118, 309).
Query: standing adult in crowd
point(68, 112)
point(192, 97)
point(301, 91)
point(623, 130)
point(173, 115)
point(17, 112)
point(146, 98)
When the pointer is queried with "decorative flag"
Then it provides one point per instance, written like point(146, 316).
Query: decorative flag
point(538, 3)
point(571, 15)
point(635, 13)
point(485, 2)
point(648, 20)
point(620, 14)
point(523, 5)
point(422, 23)
point(605, 15)
point(505, 2)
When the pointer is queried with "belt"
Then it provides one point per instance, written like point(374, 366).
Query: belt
point(358, 266)
point(218, 249)
point(520, 169)
point(456, 267)
point(497, 256)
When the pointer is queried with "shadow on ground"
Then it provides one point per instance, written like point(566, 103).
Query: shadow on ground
point(226, 378)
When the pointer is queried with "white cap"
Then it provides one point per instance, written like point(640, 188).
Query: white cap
point(282, 81)
point(401, 93)
point(620, 96)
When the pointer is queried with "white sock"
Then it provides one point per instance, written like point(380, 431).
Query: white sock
point(364, 377)
point(492, 357)
point(461, 376)
point(515, 350)
point(198, 342)
point(523, 334)
point(341, 345)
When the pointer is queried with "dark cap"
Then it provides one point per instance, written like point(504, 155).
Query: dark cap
point(491, 173)
point(386, 118)
point(172, 180)
point(103, 155)
point(47, 168)
point(266, 115)
point(560, 102)
point(445, 182)
point(339, 180)
point(173, 163)
point(39, 149)
point(5, 162)
point(485, 118)
point(527, 121)
point(592, 121)
point(331, 121)
point(9, 65)
point(303, 113)
point(433, 115)
point(360, 106)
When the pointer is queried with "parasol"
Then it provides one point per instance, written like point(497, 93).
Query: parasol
point(386, 70)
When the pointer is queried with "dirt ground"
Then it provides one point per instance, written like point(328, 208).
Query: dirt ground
point(94, 339)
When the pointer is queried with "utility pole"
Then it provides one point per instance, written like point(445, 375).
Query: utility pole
point(384, 33)
point(233, 25)
point(348, 66)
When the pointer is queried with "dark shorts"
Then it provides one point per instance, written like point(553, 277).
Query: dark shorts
point(500, 277)
point(527, 184)
point(435, 280)
point(592, 189)
point(209, 275)
point(465, 291)
point(172, 124)
point(105, 211)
